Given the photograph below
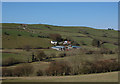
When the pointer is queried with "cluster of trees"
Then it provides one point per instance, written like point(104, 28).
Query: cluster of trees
point(110, 29)
point(105, 66)
point(21, 70)
point(98, 66)
point(61, 68)
point(56, 37)
point(58, 68)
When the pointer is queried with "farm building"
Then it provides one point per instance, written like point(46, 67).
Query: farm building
point(62, 48)
point(54, 42)
point(66, 42)
point(76, 47)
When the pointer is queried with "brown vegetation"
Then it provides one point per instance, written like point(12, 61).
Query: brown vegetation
point(56, 37)
point(58, 68)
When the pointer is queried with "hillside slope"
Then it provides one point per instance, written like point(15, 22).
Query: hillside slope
point(36, 35)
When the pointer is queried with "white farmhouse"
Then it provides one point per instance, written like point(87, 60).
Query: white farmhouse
point(54, 42)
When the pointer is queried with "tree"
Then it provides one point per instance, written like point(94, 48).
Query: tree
point(27, 48)
point(58, 68)
point(41, 55)
point(96, 43)
point(23, 70)
point(39, 73)
point(33, 57)
point(56, 37)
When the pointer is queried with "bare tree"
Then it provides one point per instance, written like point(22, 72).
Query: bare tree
point(41, 55)
point(27, 48)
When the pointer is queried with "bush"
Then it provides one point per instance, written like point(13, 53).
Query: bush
point(23, 70)
point(80, 65)
point(96, 43)
point(85, 68)
point(92, 64)
point(6, 33)
point(19, 35)
point(10, 61)
point(105, 66)
point(89, 52)
point(39, 73)
point(62, 54)
point(106, 51)
point(7, 72)
point(41, 55)
point(58, 68)
point(56, 37)
point(41, 36)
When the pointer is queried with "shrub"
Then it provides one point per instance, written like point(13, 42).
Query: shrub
point(58, 68)
point(31, 35)
point(40, 36)
point(48, 26)
point(6, 33)
point(85, 68)
point(39, 73)
point(56, 37)
point(89, 52)
point(43, 36)
point(62, 54)
point(23, 70)
point(7, 72)
point(10, 61)
point(96, 43)
point(41, 55)
point(33, 57)
point(80, 65)
point(106, 51)
point(105, 66)
point(27, 48)
point(19, 35)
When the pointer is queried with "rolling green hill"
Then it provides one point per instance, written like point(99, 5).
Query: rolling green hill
point(16, 36)
point(36, 35)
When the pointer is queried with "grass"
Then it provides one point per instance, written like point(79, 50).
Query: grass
point(101, 77)
point(110, 46)
point(86, 57)
point(20, 42)
point(79, 34)
point(18, 38)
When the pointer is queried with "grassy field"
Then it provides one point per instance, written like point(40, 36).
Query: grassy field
point(101, 77)
point(15, 38)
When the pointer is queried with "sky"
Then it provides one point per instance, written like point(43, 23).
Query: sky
point(101, 15)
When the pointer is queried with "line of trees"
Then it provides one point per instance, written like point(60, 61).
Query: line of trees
point(62, 68)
